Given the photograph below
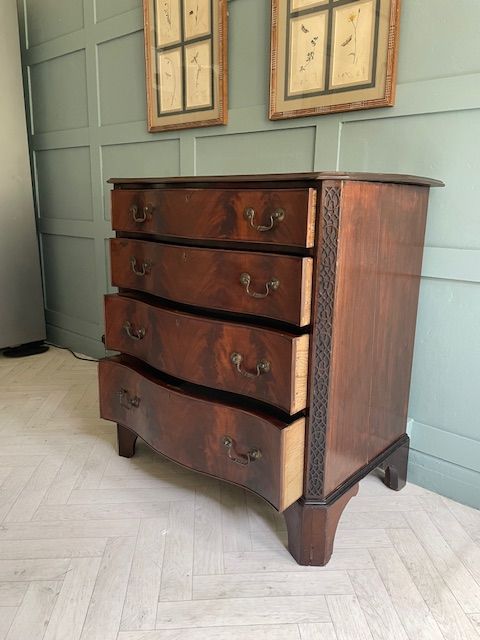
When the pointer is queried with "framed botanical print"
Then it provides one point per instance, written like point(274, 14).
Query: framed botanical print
point(332, 55)
point(186, 65)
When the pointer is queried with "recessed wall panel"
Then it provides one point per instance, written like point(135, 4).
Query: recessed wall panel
point(121, 85)
point(70, 278)
point(64, 183)
point(248, 81)
point(278, 151)
point(438, 39)
point(105, 9)
point(141, 159)
point(50, 19)
point(427, 145)
point(59, 93)
point(444, 390)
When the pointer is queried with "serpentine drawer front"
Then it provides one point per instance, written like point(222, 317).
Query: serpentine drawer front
point(266, 331)
point(263, 454)
point(260, 363)
point(270, 285)
point(266, 216)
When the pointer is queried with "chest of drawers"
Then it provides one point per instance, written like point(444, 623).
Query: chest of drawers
point(265, 326)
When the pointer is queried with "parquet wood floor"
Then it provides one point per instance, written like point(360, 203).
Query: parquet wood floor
point(97, 547)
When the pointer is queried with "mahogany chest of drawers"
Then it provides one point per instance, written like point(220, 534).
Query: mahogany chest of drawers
point(266, 328)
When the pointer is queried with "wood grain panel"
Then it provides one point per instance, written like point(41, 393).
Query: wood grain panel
point(199, 349)
point(211, 278)
point(218, 214)
point(191, 430)
point(399, 265)
point(379, 258)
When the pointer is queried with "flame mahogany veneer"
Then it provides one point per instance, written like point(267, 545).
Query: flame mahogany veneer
point(266, 328)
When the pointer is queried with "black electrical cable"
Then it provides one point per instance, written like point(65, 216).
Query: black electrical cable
point(57, 346)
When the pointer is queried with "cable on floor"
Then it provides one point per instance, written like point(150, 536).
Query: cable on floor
point(57, 346)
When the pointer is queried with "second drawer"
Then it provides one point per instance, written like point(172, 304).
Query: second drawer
point(269, 285)
point(265, 364)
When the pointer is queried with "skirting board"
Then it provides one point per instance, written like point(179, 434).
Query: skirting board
point(445, 462)
point(76, 342)
point(445, 478)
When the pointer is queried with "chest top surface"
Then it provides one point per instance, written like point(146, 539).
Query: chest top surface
point(277, 180)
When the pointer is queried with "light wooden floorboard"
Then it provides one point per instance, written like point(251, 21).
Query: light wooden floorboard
point(450, 617)
point(279, 559)
point(55, 548)
point(34, 613)
point(271, 584)
point(463, 545)
point(455, 574)
point(242, 611)
point(236, 536)
point(63, 483)
point(377, 607)
point(98, 547)
point(348, 618)
point(247, 632)
point(412, 609)
point(71, 607)
point(475, 618)
point(12, 593)
point(317, 631)
point(177, 572)
point(140, 608)
point(105, 610)
point(22, 570)
point(7, 615)
point(208, 538)
point(69, 529)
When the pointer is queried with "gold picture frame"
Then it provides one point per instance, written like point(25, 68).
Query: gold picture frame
point(329, 56)
point(186, 63)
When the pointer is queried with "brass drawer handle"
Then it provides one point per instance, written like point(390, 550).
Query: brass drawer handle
point(146, 266)
point(243, 459)
point(263, 366)
point(277, 216)
point(146, 212)
point(127, 401)
point(272, 285)
point(134, 334)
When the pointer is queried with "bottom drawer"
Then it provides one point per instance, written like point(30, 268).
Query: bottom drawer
point(248, 448)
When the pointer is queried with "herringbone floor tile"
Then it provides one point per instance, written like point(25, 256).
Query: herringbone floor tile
point(97, 547)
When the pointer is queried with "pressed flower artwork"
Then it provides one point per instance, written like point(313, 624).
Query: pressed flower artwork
point(353, 45)
point(305, 4)
point(185, 52)
point(198, 85)
point(169, 66)
point(196, 18)
point(332, 55)
point(307, 57)
point(168, 22)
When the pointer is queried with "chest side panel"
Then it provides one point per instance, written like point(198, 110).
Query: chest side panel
point(379, 254)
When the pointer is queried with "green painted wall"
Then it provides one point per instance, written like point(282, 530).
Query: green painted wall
point(85, 83)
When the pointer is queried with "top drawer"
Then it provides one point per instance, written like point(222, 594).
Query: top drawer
point(283, 217)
